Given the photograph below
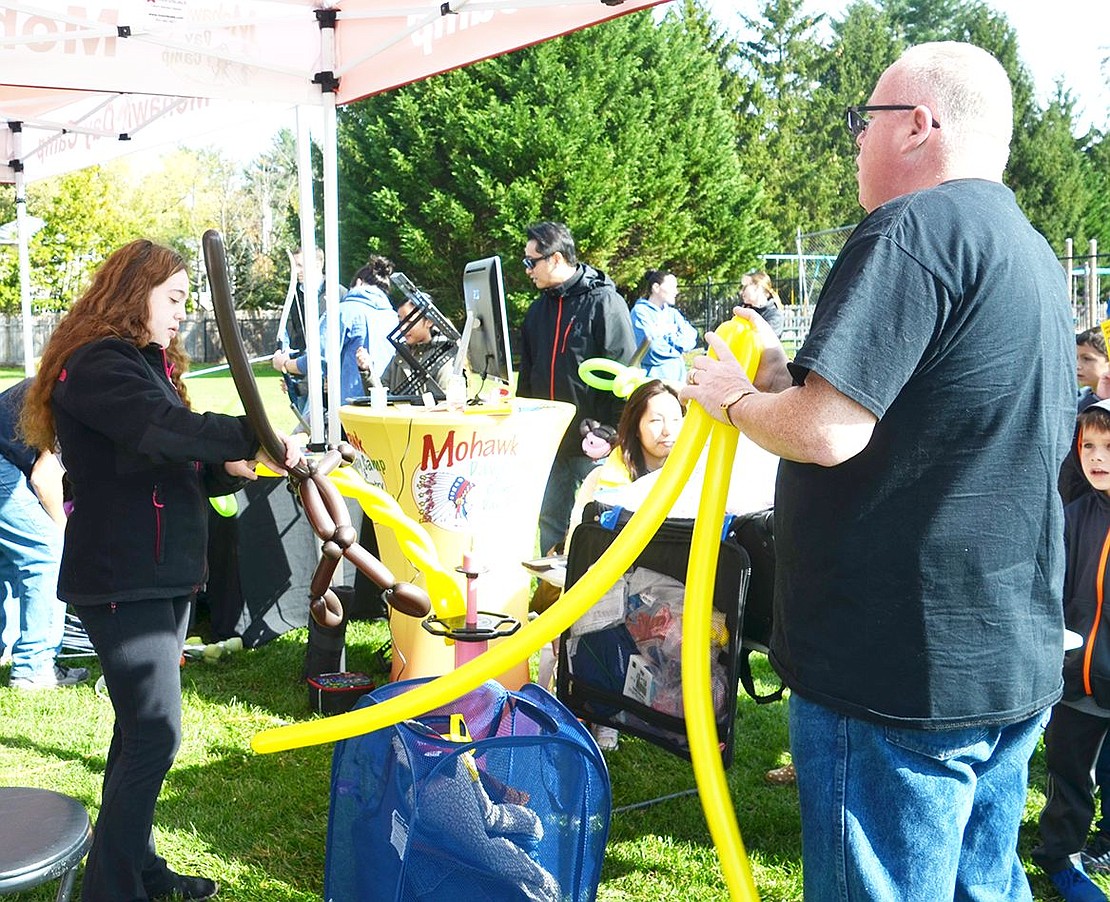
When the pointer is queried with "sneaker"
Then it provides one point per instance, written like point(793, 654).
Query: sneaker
point(782, 776)
point(182, 886)
point(605, 737)
point(59, 676)
point(1096, 854)
point(1075, 886)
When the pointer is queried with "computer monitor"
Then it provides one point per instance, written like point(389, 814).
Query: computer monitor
point(485, 337)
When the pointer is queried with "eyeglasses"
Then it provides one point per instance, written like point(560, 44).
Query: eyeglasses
point(858, 120)
point(530, 262)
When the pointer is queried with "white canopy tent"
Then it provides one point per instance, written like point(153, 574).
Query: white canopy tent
point(82, 82)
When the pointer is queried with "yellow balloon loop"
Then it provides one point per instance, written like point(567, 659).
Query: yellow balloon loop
point(743, 342)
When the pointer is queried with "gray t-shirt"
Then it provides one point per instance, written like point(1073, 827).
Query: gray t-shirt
point(918, 583)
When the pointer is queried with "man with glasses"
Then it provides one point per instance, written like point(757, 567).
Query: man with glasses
point(919, 534)
point(578, 315)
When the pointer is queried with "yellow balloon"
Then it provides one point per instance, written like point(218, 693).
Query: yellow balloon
point(701, 728)
point(697, 699)
point(446, 594)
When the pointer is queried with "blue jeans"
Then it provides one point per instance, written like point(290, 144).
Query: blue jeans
point(566, 476)
point(897, 814)
point(30, 552)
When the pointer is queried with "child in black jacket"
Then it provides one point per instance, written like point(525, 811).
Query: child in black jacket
point(109, 393)
point(1081, 719)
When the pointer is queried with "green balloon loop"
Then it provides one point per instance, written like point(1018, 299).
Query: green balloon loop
point(225, 505)
point(608, 375)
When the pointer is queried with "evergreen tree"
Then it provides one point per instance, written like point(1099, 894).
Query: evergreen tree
point(1096, 176)
point(779, 124)
point(864, 43)
point(618, 130)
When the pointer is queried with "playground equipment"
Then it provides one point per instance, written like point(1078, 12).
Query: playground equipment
point(699, 429)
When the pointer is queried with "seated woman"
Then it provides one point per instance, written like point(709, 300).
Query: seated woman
point(646, 435)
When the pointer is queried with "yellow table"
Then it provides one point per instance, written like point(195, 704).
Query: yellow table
point(474, 480)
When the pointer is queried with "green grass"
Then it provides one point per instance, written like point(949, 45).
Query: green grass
point(258, 823)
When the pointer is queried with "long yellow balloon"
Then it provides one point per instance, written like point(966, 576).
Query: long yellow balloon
point(697, 698)
point(742, 340)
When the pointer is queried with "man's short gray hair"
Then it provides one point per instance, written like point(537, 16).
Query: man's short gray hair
point(971, 91)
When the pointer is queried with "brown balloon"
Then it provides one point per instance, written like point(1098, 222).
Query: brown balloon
point(323, 504)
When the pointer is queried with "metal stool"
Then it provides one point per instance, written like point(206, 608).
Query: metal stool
point(43, 836)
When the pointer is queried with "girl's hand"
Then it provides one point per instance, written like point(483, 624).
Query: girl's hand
point(244, 469)
point(294, 453)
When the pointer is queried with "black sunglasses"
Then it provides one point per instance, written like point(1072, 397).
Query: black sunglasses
point(858, 120)
point(530, 262)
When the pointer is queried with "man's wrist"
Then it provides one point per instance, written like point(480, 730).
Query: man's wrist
point(732, 399)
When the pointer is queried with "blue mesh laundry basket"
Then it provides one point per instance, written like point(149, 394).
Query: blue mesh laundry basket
point(518, 812)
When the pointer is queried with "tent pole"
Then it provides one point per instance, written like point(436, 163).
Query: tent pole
point(331, 275)
point(311, 277)
point(23, 234)
point(331, 218)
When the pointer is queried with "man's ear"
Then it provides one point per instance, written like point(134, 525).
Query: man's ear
point(921, 128)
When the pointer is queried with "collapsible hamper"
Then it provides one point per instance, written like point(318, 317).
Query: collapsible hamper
point(498, 796)
point(620, 664)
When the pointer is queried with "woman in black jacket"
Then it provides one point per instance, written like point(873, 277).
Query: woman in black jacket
point(141, 463)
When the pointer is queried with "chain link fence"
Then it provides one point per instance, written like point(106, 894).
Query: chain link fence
point(797, 278)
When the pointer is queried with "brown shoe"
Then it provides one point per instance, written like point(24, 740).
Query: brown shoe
point(781, 776)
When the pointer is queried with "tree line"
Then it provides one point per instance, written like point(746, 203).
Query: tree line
point(662, 140)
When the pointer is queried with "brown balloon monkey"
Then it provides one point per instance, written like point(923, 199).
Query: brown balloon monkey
point(322, 502)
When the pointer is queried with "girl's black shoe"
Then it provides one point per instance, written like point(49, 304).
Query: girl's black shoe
point(182, 886)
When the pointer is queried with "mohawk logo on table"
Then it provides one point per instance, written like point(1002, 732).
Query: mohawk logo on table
point(463, 477)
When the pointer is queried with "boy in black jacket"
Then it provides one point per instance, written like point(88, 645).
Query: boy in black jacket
point(1080, 720)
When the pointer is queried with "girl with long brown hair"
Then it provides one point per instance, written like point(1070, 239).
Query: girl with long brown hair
point(140, 462)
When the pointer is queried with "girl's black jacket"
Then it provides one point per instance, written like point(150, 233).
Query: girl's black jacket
point(140, 464)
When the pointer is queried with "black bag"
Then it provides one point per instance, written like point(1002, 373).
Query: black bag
point(756, 534)
point(612, 677)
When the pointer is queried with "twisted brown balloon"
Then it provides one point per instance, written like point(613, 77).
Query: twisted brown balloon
point(322, 502)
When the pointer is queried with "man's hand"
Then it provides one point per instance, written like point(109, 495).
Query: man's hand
point(282, 362)
point(772, 374)
point(711, 380)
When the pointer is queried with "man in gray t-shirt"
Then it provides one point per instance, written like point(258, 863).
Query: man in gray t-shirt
point(918, 529)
